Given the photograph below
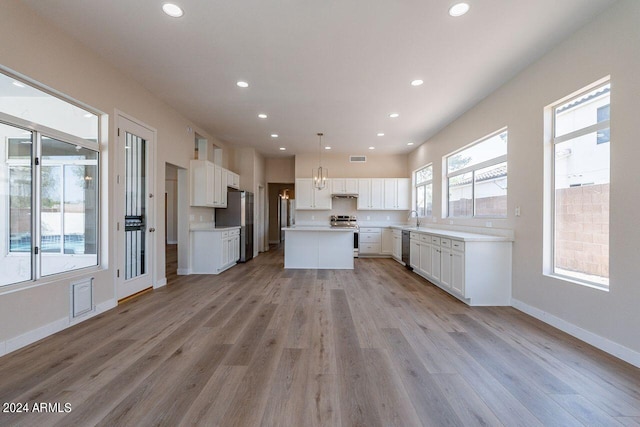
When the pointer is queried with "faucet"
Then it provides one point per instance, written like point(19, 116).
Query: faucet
point(417, 218)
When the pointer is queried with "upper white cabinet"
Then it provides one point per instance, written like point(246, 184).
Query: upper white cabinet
point(233, 180)
point(371, 194)
point(396, 193)
point(310, 198)
point(208, 184)
point(344, 186)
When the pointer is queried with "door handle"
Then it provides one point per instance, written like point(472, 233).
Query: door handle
point(151, 230)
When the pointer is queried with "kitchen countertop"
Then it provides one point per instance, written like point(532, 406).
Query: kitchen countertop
point(460, 235)
point(318, 228)
point(209, 227)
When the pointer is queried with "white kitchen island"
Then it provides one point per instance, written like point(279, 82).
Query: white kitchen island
point(318, 247)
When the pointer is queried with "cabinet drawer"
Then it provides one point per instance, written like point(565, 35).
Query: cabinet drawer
point(225, 234)
point(397, 233)
point(457, 245)
point(445, 243)
point(369, 230)
point(425, 238)
point(369, 248)
point(415, 236)
point(435, 240)
point(234, 233)
point(369, 237)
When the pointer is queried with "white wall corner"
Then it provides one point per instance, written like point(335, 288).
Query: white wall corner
point(183, 271)
point(160, 283)
point(604, 344)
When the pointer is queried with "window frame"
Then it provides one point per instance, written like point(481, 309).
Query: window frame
point(38, 133)
point(473, 169)
point(549, 267)
point(422, 184)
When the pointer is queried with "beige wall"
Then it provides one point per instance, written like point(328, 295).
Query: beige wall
point(280, 169)
point(607, 46)
point(38, 50)
point(380, 166)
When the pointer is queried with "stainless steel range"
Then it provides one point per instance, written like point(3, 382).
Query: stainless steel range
point(347, 221)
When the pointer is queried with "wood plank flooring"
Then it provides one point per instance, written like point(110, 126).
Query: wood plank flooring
point(262, 346)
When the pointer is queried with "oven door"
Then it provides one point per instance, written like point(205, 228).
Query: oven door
point(356, 241)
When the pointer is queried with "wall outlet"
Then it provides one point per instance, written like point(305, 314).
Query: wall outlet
point(213, 217)
point(489, 224)
point(434, 219)
point(368, 217)
point(200, 218)
point(192, 218)
point(313, 217)
point(388, 218)
point(450, 222)
point(517, 210)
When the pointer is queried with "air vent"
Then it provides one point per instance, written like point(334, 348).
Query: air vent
point(358, 159)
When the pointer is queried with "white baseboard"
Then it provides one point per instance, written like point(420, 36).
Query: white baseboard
point(183, 272)
point(604, 344)
point(23, 340)
point(160, 283)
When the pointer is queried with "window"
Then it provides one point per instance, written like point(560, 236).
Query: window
point(48, 180)
point(580, 187)
point(423, 179)
point(477, 179)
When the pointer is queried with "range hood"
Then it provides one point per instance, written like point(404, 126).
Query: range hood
point(344, 196)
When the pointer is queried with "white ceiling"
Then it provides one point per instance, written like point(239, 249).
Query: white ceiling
point(333, 66)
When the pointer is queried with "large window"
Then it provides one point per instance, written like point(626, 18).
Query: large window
point(48, 184)
point(580, 187)
point(477, 179)
point(423, 179)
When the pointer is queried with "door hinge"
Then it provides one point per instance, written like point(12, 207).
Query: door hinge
point(118, 226)
point(118, 273)
point(37, 161)
point(118, 179)
point(118, 131)
point(36, 250)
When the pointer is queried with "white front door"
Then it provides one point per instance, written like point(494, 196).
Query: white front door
point(135, 207)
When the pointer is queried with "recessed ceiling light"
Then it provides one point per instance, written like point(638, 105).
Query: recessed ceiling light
point(381, 134)
point(18, 84)
point(327, 148)
point(409, 143)
point(372, 148)
point(173, 10)
point(242, 84)
point(262, 116)
point(282, 148)
point(394, 115)
point(274, 135)
point(417, 82)
point(459, 9)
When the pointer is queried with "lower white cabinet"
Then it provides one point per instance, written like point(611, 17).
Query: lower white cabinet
point(477, 272)
point(370, 241)
point(213, 251)
point(396, 251)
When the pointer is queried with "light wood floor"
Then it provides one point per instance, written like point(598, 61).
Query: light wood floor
point(260, 345)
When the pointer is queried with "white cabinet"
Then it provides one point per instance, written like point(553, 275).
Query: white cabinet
point(344, 186)
point(446, 262)
point(208, 184)
point(213, 251)
point(370, 242)
point(386, 241)
point(233, 180)
point(397, 244)
point(310, 198)
point(371, 194)
point(396, 193)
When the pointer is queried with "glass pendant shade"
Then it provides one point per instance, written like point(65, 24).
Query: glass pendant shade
point(321, 174)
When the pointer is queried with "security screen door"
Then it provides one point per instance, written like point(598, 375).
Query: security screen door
point(135, 226)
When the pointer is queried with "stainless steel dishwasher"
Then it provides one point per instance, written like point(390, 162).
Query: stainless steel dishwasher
point(406, 248)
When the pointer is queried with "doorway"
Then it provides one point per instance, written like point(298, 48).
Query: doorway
point(171, 214)
point(136, 222)
point(281, 210)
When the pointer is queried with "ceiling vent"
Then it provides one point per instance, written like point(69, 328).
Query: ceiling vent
point(358, 159)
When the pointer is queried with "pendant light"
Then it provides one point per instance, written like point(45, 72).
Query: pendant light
point(321, 174)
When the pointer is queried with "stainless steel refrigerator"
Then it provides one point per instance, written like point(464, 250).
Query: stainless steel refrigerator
point(239, 211)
